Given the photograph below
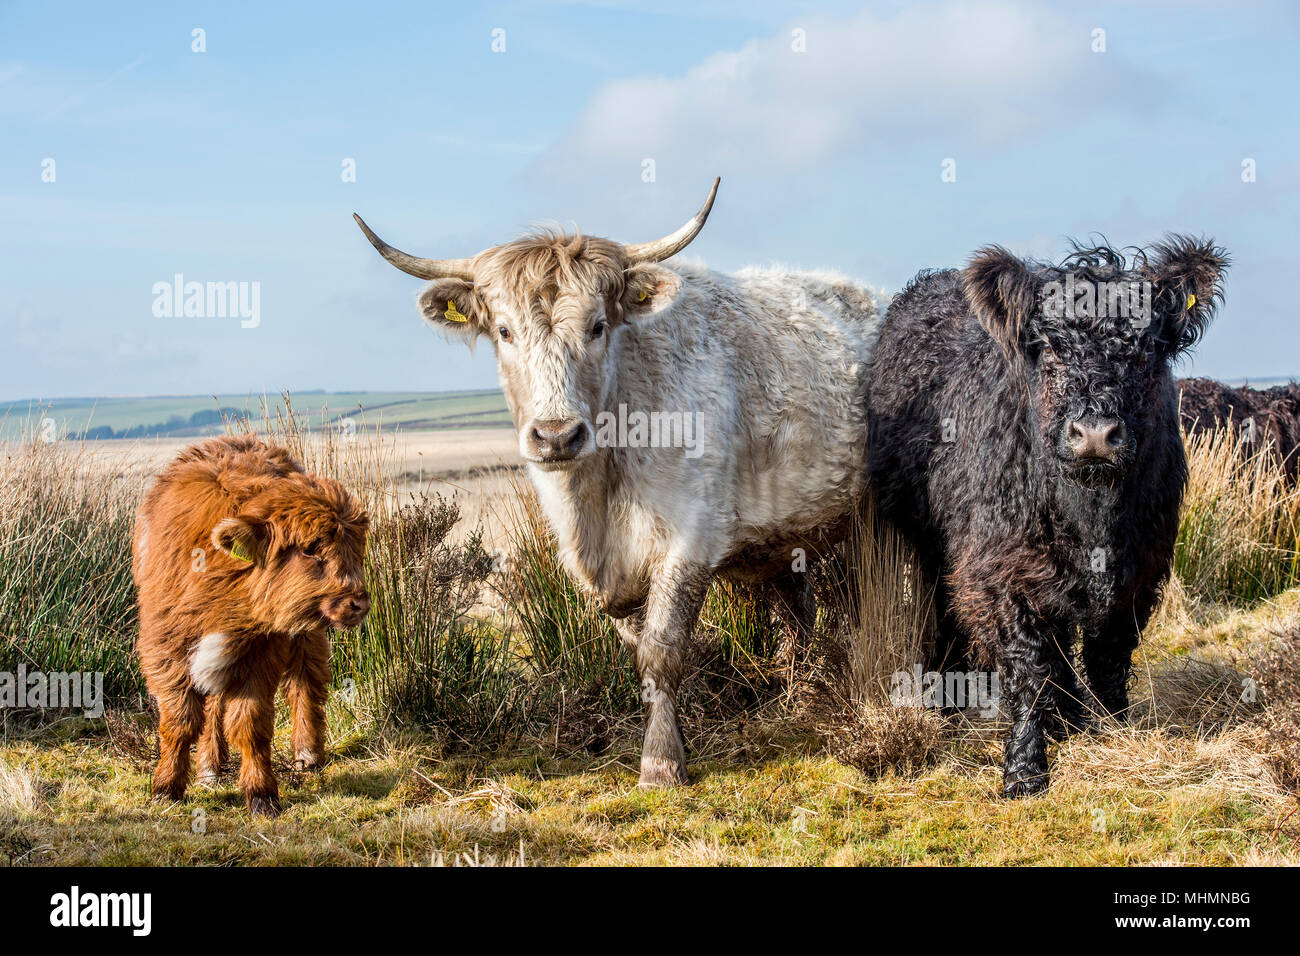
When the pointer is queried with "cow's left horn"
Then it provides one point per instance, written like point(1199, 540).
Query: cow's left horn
point(420, 268)
point(661, 249)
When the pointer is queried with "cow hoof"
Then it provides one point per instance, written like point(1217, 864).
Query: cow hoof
point(658, 774)
point(308, 760)
point(1025, 787)
point(263, 806)
point(171, 794)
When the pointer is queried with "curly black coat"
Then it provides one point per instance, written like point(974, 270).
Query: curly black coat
point(984, 398)
point(1273, 414)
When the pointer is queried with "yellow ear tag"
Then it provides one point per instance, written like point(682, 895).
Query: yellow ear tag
point(240, 551)
point(452, 315)
point(1191, 301)
point(642, 296)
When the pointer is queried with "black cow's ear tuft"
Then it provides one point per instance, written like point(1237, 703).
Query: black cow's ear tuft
point(1186, 274)
point(1002, 292)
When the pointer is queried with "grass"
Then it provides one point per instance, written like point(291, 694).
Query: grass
point(66, 597)
point(763, 792)
point(486, 705)
point(1239, 540)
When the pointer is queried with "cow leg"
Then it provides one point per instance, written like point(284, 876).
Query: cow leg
point(796, 608)
point(1069, 700)
point(213, 750)
point(629, 632)
point(676, 596)
point(1027, 658)
point(180, 721)
point(1108, 655)
point(250, 725)
point(306, 685)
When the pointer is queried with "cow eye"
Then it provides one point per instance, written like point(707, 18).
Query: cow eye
point(598, 330)
point(504, 333)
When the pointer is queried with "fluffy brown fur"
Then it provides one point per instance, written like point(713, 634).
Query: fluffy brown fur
point(242, 562)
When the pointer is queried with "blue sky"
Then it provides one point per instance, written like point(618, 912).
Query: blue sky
point(226, 165)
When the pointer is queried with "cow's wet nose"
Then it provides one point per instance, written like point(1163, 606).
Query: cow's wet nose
point(1100, 439)
point(562, 440)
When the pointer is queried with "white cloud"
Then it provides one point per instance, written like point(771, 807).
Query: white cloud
point(983, 73)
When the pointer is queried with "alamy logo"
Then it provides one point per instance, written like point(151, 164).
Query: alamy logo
point(74, 908)
point(75, 690)
point(1085, 299)
point(208, 300)
point(935, 690)
point(638, 429)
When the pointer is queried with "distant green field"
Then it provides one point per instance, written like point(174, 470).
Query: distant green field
point(193, 415)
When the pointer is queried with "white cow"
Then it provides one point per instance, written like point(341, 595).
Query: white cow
point(678, 423)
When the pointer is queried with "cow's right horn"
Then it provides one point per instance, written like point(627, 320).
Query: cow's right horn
point(420, 268)
point(670, 245)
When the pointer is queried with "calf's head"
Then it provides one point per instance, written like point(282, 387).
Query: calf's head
point(1097, 335)
point(303, 540)
point(549, 304)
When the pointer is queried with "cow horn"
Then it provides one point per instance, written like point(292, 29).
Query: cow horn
point(661, 249)
point(420, 268)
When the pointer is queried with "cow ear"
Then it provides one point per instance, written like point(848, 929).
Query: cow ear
point(1186, 276)
point(648, 289)
point(1003, 293)
point(452, 306)
point(242, 540)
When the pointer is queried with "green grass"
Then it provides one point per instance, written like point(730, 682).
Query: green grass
point(420, 656)
point(66, 597)
point(401, 799)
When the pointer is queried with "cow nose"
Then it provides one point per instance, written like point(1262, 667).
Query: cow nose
point(558, 440)
point(359, 604)
point(1095, 439)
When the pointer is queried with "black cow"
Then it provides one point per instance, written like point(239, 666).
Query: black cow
point(1024, 438)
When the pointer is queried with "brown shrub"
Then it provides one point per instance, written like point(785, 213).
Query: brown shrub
point(876, 738)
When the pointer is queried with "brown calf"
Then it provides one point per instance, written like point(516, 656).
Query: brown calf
point(242, 562)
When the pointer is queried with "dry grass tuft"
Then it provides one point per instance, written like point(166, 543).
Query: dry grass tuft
point(1162, 761)
point(1278, 677)
point(884, 608)
point(879, 738)
point(1190, 695)
point(20, 789)
point(889, 606)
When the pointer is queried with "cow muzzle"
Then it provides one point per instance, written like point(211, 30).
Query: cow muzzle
point(1094, 449)
point(1094, 440)
point(557, 441)
point(347, 610)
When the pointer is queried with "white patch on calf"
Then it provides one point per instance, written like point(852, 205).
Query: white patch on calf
point(209, 661)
